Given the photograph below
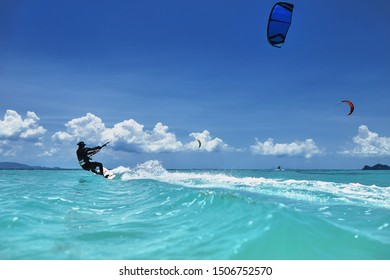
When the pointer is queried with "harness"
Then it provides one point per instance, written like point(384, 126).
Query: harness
point(84, 158)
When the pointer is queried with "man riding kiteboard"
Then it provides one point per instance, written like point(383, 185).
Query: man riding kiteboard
point(84, 155)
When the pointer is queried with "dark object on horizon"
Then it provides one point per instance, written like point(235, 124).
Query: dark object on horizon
point(377, 167)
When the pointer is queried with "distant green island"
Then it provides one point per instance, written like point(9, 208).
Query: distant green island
point(377, 167)
point(20, 166)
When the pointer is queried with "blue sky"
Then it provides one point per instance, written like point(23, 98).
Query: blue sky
point(153, 76)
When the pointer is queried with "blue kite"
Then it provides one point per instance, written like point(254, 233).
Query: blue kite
point(279, 22)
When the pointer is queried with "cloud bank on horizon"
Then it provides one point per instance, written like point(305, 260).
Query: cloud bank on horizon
point(307, 148)
point(131, 136)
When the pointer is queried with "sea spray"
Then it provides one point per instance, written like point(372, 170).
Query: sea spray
point(309, 190)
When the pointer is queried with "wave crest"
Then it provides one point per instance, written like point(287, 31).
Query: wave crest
point(322, 192)
point(147, 170)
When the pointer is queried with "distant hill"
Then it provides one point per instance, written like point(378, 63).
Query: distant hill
point(377, 167)
point(15, 165)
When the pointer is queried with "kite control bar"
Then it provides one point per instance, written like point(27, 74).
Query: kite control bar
point(104, 144)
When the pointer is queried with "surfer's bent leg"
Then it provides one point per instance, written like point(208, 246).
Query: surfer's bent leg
point(97, 164)
point(101, 168)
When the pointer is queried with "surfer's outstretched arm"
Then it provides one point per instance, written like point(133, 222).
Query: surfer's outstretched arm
point(94, 150)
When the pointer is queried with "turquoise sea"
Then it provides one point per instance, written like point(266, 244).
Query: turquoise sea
point(148, 212)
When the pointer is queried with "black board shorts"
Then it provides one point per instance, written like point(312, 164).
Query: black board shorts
point(87, 166)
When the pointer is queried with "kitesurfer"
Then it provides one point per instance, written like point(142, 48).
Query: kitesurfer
point(84, 156)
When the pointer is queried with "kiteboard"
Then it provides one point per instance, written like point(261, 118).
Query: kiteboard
point(108, 174)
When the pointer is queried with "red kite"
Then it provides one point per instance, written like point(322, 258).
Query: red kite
point(352, 107)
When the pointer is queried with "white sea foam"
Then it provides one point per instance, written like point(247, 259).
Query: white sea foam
point(121, 170)
point(306, 190)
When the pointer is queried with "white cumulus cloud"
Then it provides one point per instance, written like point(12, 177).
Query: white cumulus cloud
point(14, 127)
point(208, 143)
point(307, 148)
point(368, 143)
point(131, 136)
point(88, 128)
point(49, 152)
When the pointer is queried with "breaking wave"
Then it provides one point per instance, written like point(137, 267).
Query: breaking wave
point(316, 191)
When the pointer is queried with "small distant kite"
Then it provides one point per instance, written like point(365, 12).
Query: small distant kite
point(200, 143)
point(278, 23)
point(352, 107)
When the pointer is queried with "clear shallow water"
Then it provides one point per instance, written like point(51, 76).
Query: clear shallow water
point(148, 212)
